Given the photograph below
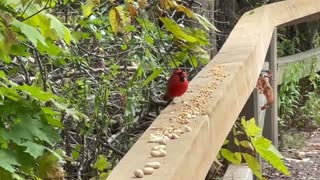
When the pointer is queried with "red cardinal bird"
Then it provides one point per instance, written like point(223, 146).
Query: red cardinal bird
point(177, 85)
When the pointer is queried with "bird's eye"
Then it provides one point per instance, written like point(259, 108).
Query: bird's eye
point(179, 72)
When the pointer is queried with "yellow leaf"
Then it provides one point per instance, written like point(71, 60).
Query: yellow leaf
point(87, 8)
point(125, 19)
point(114, 18)
point(186, 10)
point(96, 2)
point(171, 4)
point(142, 3)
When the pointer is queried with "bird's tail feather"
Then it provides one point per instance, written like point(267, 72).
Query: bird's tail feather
point(166, 97)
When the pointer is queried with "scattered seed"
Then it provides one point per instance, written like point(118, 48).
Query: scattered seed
point(175, 136)
point(162, 142)
point(163, 152)
point(188, 116)
point(154, 165)
point(148, 170)
point(177, 131)
point(157, 147)
point(169, 135)
point(187, 128)
point(138, 173)
point(158, 153)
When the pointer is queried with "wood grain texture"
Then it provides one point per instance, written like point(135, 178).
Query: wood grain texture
point(242, 58)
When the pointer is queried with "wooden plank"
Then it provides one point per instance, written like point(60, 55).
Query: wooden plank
point(241, 59)
point(307, 57)
point(310, 18)
point(271, 122)
point(252, 108)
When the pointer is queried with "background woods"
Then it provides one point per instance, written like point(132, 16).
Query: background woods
point(81, 80)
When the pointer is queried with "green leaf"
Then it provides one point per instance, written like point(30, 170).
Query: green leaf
point(70, 111)
point(42, 22)
point(56, 25)
point(36, 92)
point(275, 151)
point(250, 127)
point(246, 144)
point(30, 32)
point(51, 118)
point(267, 151)
point(149, 39)
point(30, 128)
point(8, 160)
point(205, 22)
point(4, 174)
point(236, 142)
point(154, 74)
point(2, 74)
point(182, 56)
point(230, 156)
point(62, 31)
point(104, 175)
point(9, 93)
point(175, 29)
point(3, 143)
point(76, 152)
point(225, 142)
point(33, 149)
point(51, 49)
point(124, 47)
point(238, 156)
point(102, 163)
point(19, 50)
point(17, 134)
point(68, 37)
point(261, 142)
point(253, 164)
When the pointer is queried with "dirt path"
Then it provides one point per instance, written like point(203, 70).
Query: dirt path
point(303, 163)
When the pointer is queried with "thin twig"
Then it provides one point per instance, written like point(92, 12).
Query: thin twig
point(44, 8)
point(25, 71)
point(109, 146)
point(161, 41)
point(26, 8)
point(42, 72)
point(83, 157)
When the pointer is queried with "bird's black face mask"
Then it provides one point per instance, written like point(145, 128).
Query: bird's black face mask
point(182, 76)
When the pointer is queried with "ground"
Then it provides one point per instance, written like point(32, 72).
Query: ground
point(303, 162)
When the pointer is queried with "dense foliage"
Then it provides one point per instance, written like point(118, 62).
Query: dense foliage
point(299, 98)
point(77, 76)
point(246, 143)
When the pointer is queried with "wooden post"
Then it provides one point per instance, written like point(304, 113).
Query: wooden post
point(271, 121)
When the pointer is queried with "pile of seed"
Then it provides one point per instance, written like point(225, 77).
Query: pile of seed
point(191, 110)
point(198, 102)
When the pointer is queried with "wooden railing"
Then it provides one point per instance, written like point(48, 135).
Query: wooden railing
point(311, 62)
point(307, 58)
point(219, 93)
